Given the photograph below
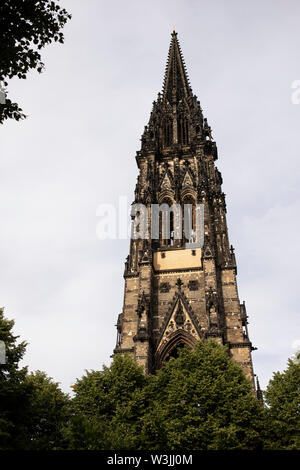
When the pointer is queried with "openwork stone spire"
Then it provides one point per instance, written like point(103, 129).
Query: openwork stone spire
point(176, 121)
point(176, 83)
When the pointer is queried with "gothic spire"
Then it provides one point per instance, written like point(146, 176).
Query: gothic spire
point(176, 118)
point(176, 83)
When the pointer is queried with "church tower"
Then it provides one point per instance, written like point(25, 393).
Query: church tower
point(179, 289)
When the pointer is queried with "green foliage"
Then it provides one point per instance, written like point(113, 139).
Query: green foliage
point(46, 412)
point(26, 27)
point(14, 391)
point(32, 407)
point(198, 401)
point(283, 408)
point(105, 404)
point(14, 352)
point(201, 400)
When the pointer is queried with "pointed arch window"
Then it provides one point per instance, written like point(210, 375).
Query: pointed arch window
point(189, 219)
point(183, 130)
point(175, 351)
point(166, 223)
point(179, 339)
point(167, 132)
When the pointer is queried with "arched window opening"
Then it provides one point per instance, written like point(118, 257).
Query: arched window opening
point(189, 220)
point(166, 224)
point(167, 132)
point(175, 351)
point(179, 339)
point(183, 130)
point(171, 228)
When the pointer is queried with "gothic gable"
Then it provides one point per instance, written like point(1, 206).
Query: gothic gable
point(166, 181)
point(187, 180)
point(180, 322)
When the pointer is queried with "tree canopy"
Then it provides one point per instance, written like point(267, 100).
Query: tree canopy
point(13, 390)
point(32, 406)
point(201, 400)
point(26, 26)
point(283, 407)
point(105, 403)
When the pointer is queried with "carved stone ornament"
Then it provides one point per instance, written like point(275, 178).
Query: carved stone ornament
point(179, 316)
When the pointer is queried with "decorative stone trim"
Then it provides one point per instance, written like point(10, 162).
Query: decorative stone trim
point(123, 350)
point(180, 270)
point(240, 345)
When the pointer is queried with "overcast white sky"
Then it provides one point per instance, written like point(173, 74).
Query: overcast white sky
point(76, 150)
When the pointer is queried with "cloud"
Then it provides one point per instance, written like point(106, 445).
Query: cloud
point(296, 344)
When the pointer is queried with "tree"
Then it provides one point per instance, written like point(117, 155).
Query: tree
point(14, 392)
point(283, 408)
point(32, 407)
point(202, 401)
point(46, 412)
point(26, 27)
point(105, 407)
